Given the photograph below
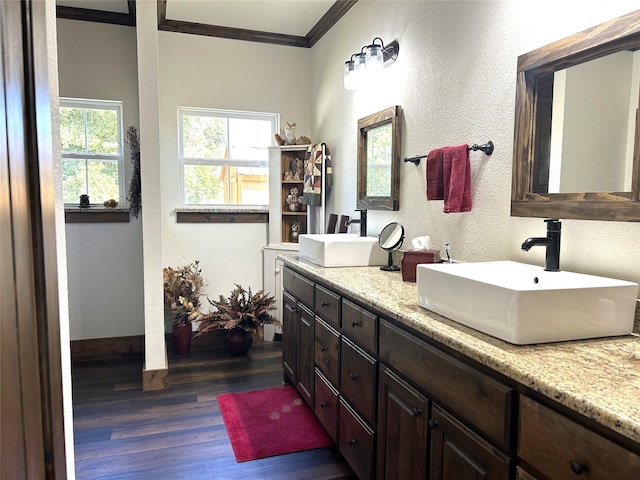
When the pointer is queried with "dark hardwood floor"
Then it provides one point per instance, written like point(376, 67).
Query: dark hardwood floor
point(122, 432)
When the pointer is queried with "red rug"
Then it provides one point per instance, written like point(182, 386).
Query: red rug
point(265, 423)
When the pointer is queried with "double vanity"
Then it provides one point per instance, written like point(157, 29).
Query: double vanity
point(407, 393)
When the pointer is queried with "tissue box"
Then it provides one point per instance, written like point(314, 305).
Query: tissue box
point(411, 258)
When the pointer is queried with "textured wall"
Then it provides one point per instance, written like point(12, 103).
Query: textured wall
point(455, 79)
point(105, 271)
point(225, 74)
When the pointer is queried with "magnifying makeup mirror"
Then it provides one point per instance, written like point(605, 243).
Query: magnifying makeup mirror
point(390, 239)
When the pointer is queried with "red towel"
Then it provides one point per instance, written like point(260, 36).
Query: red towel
point(449, 178)
point(435, 177)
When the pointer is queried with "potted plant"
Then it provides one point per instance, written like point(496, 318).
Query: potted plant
point(243, 314)
point(183, 287)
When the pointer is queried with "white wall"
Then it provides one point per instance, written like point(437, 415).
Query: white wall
point(104, 259)
point(455, 79)
point(198, 71)
point(596, 124)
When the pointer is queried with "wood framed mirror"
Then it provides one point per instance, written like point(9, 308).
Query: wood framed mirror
point(546, 180)
point(379, 160)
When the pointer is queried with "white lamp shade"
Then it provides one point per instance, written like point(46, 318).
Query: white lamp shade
point(374, 58)
point(350, 75)
point(360, 68)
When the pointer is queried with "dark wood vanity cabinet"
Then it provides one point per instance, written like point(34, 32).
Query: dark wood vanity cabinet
point(326, 405)
point(403, 419)
point(401, 406)
point(298, 342)
point(457, 453)
point(560, 448)
point(289, 340)
point(356, 441)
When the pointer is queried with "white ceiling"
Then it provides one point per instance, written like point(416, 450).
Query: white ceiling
point(291, 17)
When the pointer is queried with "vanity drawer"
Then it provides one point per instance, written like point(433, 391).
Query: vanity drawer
point(356, 442)
point(358, 379)
point(328, 305)
point(559, 447)
point(326, 406)
point(478, 398)
point(298, 286)
point(327, 349)
point(359, 324)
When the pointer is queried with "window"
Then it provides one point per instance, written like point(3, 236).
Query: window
point(224, 156)
point(92, 150)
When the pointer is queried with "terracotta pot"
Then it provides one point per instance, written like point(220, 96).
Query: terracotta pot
point(182, 337)
point(239, 341)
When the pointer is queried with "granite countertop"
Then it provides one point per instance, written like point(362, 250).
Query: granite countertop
point(598, 378)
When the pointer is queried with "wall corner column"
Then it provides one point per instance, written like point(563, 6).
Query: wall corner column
point(155, 365)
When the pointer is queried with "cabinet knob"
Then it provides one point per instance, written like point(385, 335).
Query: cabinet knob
point(325, 304)
point(324, 405)
point(417, 412)
point(577, 467)
point(323, 349)
point(356, 324)
point(351, 442)
point(432, 424)
point(354, 377)
point(326, 361)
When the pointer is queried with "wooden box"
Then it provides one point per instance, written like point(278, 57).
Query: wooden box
point(411, 258)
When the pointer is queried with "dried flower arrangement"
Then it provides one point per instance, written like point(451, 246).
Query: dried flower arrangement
point(242, 309)
point(134, 195)
point(183, 287)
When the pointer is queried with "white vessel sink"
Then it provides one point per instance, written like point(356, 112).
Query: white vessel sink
point(523, 304)
point(341, 250)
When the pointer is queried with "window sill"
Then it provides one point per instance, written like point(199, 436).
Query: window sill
point(219, 215)
point(96, 214)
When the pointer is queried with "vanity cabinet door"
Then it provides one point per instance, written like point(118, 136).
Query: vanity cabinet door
point(358, 379)
point(473, 396)
point(300, 287)
point(356, 441)
point(289, 337)
point(562, 449)
point(327, 349)
point(402, 429)
point(328, 305)
point(523, 475)
point(326, 407)
point(360, 325)
point(459, 454)
point(305, 364)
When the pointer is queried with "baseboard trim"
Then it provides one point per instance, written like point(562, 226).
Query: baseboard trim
point(155, 379)
point(106, 348)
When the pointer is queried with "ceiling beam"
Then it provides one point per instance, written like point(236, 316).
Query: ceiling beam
point(328, 20)
point(233, 33)
point(100, 16)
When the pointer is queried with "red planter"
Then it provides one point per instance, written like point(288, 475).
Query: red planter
point(239, 341)
point(182, 337)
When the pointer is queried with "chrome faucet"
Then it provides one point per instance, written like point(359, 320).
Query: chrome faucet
point(362, 221)
point(551, 241)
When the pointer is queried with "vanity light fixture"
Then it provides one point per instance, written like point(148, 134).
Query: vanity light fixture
point(371, 59)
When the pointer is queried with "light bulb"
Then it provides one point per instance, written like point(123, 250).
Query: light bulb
point(360, 68)
point(374, 58)
point(350, 75)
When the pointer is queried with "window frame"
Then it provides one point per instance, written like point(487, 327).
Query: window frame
point(274, 118)
point(95, 104)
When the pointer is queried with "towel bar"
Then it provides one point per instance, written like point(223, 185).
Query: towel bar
point(486, 148)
